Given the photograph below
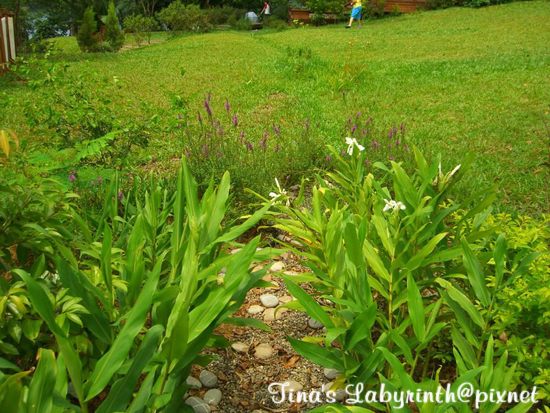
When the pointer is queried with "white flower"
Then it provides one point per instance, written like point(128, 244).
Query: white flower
point(393, 205)
point(275, 195)
point(351, 142)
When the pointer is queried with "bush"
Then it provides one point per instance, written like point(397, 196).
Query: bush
point(396, 273)
point(113, 33)
point(374, 8)
point(178, 17)
point(276, 24)
point(141, 26)
point(86, 36)
point(224, 15)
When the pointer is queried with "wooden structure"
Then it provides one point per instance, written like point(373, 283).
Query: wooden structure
point(404, 6)
point(7, 39)
point(390, 6)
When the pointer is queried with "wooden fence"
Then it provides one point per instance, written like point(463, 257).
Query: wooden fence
point(7, 39)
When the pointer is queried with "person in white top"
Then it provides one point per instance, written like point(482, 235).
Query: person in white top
point(266, 11)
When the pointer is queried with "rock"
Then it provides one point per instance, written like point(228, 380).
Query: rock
point(193, 383)
point(255, 309)
point(213, 397)
point(277, 266)
point(314, 324)
point(267, 278)
point(257, 268)
point(198, 405)
point(236, 250)
point(292, 386)
point(286, 299)
point(208, 379)
point(263, 351)
point(269, 300)
point(269, 314)
point(240, 347)
point(331, 374)
point(339, 394)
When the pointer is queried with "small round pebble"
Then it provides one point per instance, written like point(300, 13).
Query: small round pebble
point(269, 300)
point(293, 386)
point(213, 396)
point(198, 405)
point(208, 379)
point(277, 266)
point(255, 309)
point(239, 347)
point(263, 351)
point(314, 324)
point(331, 374)
point(193, 383)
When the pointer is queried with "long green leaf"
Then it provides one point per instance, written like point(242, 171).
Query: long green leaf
point(416, 308)
point(109, 364)
point(475, 274)
point(40, 398)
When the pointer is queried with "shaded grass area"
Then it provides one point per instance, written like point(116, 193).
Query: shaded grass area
point(461, 80)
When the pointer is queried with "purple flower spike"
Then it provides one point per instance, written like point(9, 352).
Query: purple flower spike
point(241, 136)
point(353, 129)
point(72, 176)
point(208, 108)
point(277, 130)
point(390, 133)
point(235, 120)
point(358, 115)
point(249, 146)
point(375, 144)
point(402, 128)
point(227, 106)
point(328, 159)
point(120, 195)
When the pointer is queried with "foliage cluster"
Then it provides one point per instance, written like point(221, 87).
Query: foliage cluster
point(109, 38)
point(141, 26)
point(111, 317)
point(395, 268)
point(180, 17)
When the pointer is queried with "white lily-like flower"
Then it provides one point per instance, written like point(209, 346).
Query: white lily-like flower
point(275, 195)
point(393, 205)
point(352, 142)
point(444, 179)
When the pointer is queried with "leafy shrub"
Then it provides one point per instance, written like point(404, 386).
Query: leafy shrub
point(141, 26)
point(394, 269)
point(321, 7)
point(224, 15)
point(86, 36)
point(374, 8)
point(276, 24)
point(124, 325)
point(179, 17)
point(113, 33)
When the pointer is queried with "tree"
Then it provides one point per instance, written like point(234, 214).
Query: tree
point(87, 41)
point(113, 33)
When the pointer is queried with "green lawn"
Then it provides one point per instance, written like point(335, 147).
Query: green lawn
point(461, 80)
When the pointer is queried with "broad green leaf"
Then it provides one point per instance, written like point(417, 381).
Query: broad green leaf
point(375, 262)
point(121, 392)
point(40, 398)
point(416, 308)
point(463, 301)
point(317, 354)
point(248, 322)
point(475, 274)
point(418, 259)
point(311, 306)
point(44, 308)
point(109, 364)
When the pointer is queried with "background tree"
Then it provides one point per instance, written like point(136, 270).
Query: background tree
point(113, 33)
point(87, 41)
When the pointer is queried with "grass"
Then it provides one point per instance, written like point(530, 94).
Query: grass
point(461, 80)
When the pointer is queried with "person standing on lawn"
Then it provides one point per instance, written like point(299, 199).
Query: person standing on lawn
point(355, 12)
point(266, 11)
